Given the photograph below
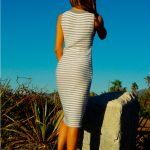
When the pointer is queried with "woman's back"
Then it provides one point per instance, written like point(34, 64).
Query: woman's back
point(78, 30)
point(74, 70)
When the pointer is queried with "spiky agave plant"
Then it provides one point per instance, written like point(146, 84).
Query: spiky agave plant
point(29, 120)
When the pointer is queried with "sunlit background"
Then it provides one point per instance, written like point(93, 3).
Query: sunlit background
point(28, 41)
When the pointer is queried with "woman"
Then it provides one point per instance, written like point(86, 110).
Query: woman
point(74, 37)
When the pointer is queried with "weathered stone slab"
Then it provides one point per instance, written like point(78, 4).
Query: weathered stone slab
point(110, 122)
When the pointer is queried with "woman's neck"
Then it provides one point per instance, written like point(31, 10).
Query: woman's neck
point(78, 8)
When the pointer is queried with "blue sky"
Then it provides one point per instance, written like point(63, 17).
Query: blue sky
point(28, 41)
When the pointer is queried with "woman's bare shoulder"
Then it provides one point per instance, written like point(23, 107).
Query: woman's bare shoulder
point(59, 18)
point(60, 15)
point(63, 13)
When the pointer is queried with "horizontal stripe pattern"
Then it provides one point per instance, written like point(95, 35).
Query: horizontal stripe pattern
point(74, 70)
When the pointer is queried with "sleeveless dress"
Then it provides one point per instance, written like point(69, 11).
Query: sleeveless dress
point(74, 70)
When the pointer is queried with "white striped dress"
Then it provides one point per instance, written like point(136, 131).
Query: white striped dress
point(74, 70)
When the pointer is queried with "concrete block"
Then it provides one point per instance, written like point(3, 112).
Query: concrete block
point(110, 122)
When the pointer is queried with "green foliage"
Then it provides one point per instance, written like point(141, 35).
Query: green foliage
point(147, 79)
point(116, 86)
point(144, 101)
point(134, 87)
point(29, 119)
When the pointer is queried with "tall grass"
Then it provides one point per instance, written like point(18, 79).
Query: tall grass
point(29, 119)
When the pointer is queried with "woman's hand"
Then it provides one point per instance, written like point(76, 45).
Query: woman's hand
point(99, 27)
point(59, 54)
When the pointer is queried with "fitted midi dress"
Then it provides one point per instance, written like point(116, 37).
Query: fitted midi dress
point(74, 70)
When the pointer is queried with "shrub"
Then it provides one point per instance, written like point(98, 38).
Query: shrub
point(29, 119)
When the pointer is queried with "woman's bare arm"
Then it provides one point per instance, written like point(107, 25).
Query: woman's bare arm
point(99, 27)
point(59, 39)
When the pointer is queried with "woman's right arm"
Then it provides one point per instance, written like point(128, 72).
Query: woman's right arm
point(99, 27)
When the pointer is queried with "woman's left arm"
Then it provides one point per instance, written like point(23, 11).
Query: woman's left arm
point(59, 41)
point(100, 28)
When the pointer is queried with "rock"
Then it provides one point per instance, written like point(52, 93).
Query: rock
point(110, 122)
